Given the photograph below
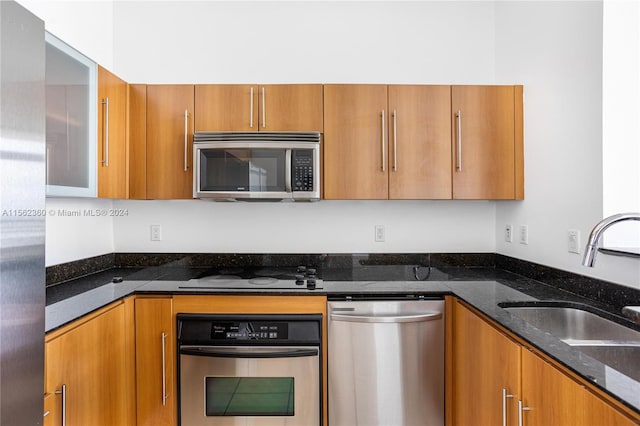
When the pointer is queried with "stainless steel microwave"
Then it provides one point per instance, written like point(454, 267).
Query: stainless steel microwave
point(257, 165)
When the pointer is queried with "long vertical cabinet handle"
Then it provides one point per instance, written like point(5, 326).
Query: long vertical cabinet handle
point(186, 139)
point(105, 161)
point(459, 136)
point(382, 139)
point(264, 110)
point(505, 395)
point(395, 141)
point(63, 392)
point(164, 369)
point(521, 409)
point(251, 108)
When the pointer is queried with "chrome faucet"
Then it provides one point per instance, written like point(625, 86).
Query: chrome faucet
point(594, 237)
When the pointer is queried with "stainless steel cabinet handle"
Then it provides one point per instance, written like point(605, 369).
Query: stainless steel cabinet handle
point(164, 370)
point(504, 405)
point(521, 409)
point(384, 154)
point(186, 139)
point(105, 161)
point(63, 392)
point(287, 171)
point(395, 140)
point(251, 108)
point(459, 137)
point(428, 316)
point(264, 110)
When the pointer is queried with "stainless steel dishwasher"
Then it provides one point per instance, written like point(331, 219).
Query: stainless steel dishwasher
point(386, 362)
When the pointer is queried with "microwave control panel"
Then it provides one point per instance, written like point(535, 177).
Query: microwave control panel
point(302, 169)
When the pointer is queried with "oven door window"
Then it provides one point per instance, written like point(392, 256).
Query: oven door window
point(247, 169)
point(249, 396)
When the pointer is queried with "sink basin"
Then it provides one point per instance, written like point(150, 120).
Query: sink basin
point(575, 326)
point(623, 358)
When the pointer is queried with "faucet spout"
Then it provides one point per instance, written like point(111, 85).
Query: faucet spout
point(591, 249)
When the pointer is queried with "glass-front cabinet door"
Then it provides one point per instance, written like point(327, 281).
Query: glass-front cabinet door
point(71, 99)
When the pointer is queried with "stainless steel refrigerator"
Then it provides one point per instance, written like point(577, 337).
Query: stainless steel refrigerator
point(22, 215)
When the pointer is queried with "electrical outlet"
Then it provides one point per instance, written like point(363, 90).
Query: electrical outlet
point(524, 234)
point(156, 233)
point(379, 236)
point(508, 233)
point(573, 241)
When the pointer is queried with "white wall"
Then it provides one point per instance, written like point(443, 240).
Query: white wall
point(555, 49)
point(318, 42)
point(322, 227)
point(87, 26)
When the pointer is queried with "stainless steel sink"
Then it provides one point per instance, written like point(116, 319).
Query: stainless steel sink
point(573, 325)
point(611, 343)
point(623, 358)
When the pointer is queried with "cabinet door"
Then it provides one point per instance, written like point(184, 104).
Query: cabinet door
point(290, 107)
point(137, 130)
point(355, 145)
point(486, 142)
point(420, 142)
point(551, 397)
point(90, 360)
point(155, 361)
point(112, 104)
point(169, 141)
point(226, 107)
point(485, 362)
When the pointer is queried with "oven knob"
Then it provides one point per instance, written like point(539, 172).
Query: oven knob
point(299, 279)
point(302, 269)
point(311, 284)
point(311, 271)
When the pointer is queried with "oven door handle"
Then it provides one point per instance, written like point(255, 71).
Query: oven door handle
point(208, 351)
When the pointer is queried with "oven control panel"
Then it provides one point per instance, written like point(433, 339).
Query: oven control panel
point(249, 330)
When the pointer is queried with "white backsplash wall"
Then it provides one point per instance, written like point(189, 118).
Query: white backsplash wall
point(78, 228)
point(320, 227)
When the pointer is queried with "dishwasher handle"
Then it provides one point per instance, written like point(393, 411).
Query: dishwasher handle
point(216, 352)
point(422, 317)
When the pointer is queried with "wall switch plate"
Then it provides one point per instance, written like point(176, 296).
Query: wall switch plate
point(379, 236)
point(156, 233)
point(524, 234)
point(573, 241)
point(508, 233)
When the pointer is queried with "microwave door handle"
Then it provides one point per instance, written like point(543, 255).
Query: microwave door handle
point(287, 171)
point(213, 352)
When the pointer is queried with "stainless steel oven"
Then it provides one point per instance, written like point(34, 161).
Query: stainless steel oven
point(250, 370)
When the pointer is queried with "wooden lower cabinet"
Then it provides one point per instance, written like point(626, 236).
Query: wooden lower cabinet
point(487, 362)
point(90, 360)
point(156, 387)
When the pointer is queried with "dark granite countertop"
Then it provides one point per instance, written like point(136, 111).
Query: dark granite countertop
point(484, 288)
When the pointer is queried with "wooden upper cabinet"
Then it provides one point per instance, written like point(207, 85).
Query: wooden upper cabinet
point(419, 142)
point(487, 142)
point(246, 107)
point(137, 134)
point(170, 141)
point(112, 147)
point(355, 145)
